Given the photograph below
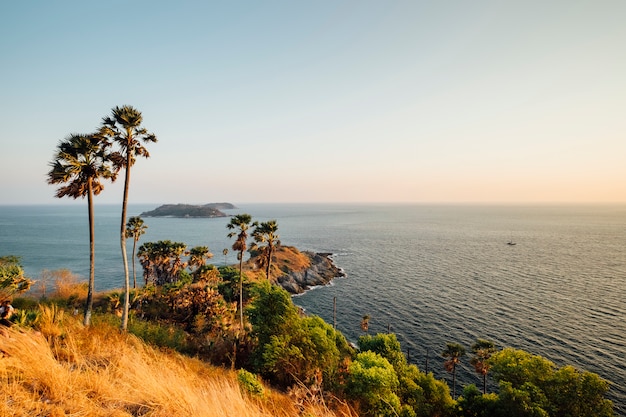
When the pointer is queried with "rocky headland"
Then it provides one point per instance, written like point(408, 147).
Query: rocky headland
point(297, 271)
point(322, 271)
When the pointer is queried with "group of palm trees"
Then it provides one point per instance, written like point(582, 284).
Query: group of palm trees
point(265, 232)
point(482, 350)
point(81, 164)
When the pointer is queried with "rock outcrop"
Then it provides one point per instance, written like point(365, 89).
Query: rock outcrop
point(321, 271)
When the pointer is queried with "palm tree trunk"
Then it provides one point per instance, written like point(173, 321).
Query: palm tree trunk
point(92, 256)
point(454, 382)
point(269, 263)
point(134, 274)
point(124, 324)
point(241, 288)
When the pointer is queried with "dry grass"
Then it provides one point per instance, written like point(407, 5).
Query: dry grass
point(285, 259)
point(60, 283)
point(96, 371)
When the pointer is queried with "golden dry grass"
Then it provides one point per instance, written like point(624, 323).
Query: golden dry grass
point(96, 371)
point(286, 258)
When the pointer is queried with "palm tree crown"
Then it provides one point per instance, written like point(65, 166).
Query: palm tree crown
point(81, 162)
point(124, 129)
point(266, 232)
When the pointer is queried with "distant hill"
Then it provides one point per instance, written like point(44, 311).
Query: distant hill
point(190, 210)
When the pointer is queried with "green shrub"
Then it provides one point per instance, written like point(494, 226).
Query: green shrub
point(372, 381)
point(249, 384)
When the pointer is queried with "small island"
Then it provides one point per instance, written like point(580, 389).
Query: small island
point(190, 210)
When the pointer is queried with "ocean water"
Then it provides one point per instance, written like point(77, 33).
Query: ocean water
point(430, 274)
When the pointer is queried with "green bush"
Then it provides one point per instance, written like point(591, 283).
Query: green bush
point(373, 381)
point(249, 384)
point(290, 348)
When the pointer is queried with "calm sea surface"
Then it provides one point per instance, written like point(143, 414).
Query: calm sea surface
point(430, 274)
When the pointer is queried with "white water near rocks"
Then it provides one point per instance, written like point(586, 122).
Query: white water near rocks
point(430, 274)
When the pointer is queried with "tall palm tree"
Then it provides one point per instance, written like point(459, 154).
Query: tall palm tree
point(124, 129)
point(242, 223)
point(266, 232)
point(81, 162)
point(482, 350)
point(453, 353)
point(135, 228)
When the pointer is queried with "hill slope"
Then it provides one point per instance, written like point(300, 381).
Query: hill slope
point(97, 371)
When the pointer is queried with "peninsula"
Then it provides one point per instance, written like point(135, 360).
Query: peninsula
point(190, 210)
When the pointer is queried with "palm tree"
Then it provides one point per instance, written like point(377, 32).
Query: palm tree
point(124, 129)
point(135, 228)
point(81, 162)
point(242, 223)
point(266, 232)
point(453, 352)
point(197, 258)
point(482, 350)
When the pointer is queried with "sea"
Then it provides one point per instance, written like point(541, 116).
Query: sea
point(548, 279)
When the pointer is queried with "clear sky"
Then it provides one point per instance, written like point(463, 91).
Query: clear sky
point(325, 100)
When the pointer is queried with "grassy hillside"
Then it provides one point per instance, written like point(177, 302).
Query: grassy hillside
point(66, 369)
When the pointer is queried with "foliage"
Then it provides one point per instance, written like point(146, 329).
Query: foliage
point(530, 382)
point(424, 394)
point(229, 283)
point(12, 279)
point(265, 233)
point(386, 345)
point(420, 394)
point(290, 348)
point(372, 380)
point(198, 308)
point(472, 403)
point(250, 384)
point(25, 318)
point(162, 261)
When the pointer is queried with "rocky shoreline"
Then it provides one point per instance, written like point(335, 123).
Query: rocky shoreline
point(321, 272)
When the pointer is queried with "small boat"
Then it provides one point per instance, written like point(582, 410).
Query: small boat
point(511, 243)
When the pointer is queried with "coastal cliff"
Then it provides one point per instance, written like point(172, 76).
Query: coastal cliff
point(321, 271)
point(297, 271)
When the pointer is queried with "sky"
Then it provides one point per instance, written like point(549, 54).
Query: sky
point(324, 101)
